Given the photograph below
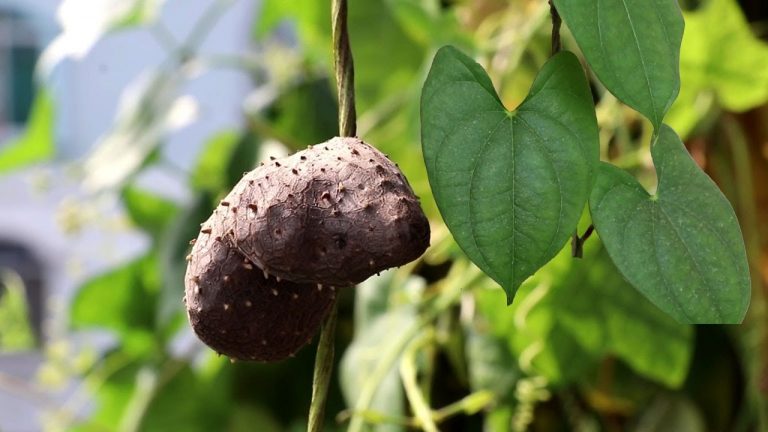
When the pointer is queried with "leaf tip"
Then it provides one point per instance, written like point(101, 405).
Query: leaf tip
point(510, 292)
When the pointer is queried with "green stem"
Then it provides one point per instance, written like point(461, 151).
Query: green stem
point(204, 25)
point(470, 404)
point(136, 408)
point(415, 396)
point(345, 71)
point(448, 297)
point(323, 372)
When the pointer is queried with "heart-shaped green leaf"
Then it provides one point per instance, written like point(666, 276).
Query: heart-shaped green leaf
point(682, 247)
point(510, 185)
point(633, 46)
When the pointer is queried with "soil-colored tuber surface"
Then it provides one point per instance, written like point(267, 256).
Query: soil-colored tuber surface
point(263, 273)
point(239, 313)
point(333, 214)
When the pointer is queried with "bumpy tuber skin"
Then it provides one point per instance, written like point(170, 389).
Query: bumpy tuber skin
point(333, 215)
point(263, 274)
point(238, 312)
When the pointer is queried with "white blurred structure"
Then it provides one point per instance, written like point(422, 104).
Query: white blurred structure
point(86, 94)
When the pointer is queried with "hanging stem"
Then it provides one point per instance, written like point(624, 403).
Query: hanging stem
point(345, 85)
point(323, 372)
point(345, 71)
point(577, 243)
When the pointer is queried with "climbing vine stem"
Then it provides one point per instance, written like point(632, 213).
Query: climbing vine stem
point(345, 85)
point(323, 372)
point(345, 71)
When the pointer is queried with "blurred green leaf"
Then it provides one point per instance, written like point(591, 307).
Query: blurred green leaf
point(242, 158)
point(377, 295)
point(490, 362)
point(378, 320)
point(173, 249)
point(633, 47)
point(419, 18)
point(16, 332)
point(148, 211)
point(362, 357)
point(250, 417)
point(36, 144)
point(428, 22)
point(499, 419)
point(111, 397)
point(305, 114)
point(311, 21)
point(540, 343)
point(681, 247)
point(721, 53)
point(186, 401)
point(377, 76)
point(671, 413)
point(211, 171)
point(136, 396)
point(122, 300)
point(578, 311)
point(499, 177)
point(720, 60)
point(140, 12)
point(223, 161)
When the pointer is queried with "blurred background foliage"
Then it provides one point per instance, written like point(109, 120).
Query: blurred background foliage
point(431, 345)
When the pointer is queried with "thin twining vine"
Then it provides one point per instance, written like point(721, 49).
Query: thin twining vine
point(345, 85)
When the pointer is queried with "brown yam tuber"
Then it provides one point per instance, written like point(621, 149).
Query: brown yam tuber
point(333, 214)
point(264, 270)
point(238, 312)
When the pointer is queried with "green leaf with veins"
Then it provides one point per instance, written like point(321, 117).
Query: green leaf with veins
point(511, 186)
point(633, 46)
point(682, 247)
